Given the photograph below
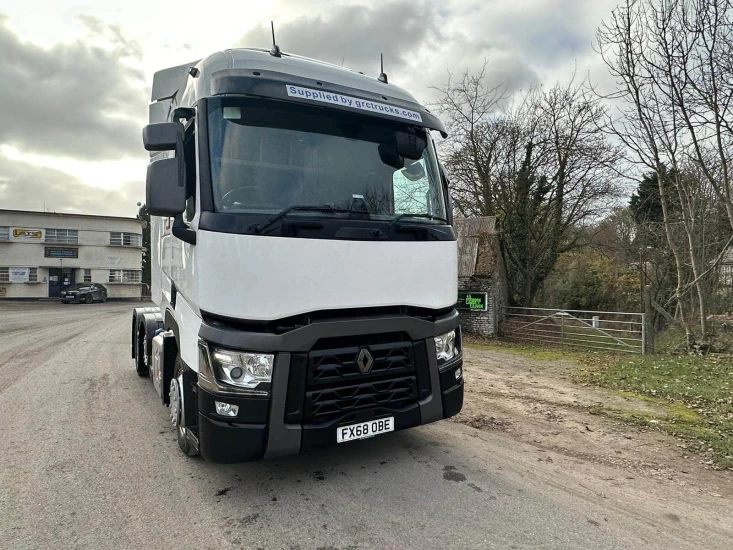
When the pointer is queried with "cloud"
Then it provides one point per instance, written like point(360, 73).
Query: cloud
point(503, 67)
point(26, 186)
point(419, 45)
point(80, 99)
point(355, 35)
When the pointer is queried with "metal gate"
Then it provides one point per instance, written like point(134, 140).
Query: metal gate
point(602, 330)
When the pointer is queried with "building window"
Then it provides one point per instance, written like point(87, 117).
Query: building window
point(4, 233)
point(62, 236)
point(87, 275)
point(119, 238)
point(5, 274)
point(124, 276)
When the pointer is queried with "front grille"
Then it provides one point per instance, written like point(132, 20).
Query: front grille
point(323, 404)
point(337, 366)
point(334, 385)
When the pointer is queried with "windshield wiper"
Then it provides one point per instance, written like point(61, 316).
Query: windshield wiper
point(385, 230)
point(303, 208)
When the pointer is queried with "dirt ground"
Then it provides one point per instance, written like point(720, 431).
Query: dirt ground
point(536, 402)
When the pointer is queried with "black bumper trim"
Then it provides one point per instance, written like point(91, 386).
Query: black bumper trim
point(324, 434)
point(252, 410)
point(275, 426)
point(453, 400)
point(227, 442)
point(282, 439)
point(448, 373)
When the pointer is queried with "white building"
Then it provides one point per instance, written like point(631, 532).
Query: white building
point(42, 253)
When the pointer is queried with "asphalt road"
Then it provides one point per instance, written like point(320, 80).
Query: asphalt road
point(88, 459)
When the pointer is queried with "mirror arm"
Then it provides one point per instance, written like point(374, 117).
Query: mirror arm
point(181, 231)
point(446, 195)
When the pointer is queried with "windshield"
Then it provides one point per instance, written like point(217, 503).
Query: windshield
point(268, 156)
point(78, 286)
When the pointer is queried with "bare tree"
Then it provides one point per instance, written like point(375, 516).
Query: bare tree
point(671, 62)
point(536, 161)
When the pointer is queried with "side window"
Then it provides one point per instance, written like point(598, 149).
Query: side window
point(411, 189)
point(189, 152)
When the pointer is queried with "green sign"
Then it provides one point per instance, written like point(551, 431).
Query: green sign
point(471, 301)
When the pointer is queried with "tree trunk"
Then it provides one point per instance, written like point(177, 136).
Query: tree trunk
point(689, 336)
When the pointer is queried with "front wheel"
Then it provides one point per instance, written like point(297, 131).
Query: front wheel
point(88, 299)
point(141, 358)
point(176, 409)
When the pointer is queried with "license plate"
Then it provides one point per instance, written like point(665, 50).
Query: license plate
point(364, 429)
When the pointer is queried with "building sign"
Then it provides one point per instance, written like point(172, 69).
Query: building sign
point(472, 301)
point(18, 274)
point(27, 235)
point(60, 252)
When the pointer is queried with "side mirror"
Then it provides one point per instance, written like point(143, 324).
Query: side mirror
point(163, 136)
point(165, 190)
point(390, 157)
point(410, 146)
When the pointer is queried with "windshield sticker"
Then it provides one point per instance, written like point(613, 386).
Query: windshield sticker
point(353, 102)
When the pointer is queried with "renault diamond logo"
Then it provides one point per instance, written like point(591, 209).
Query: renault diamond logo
point(364, 360)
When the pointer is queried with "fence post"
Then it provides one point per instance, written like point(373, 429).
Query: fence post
point(647, 323)
point(562, 330)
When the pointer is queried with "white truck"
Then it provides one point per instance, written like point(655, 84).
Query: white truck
point(304, 263)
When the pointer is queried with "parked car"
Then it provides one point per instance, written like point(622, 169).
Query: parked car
point(84, 292)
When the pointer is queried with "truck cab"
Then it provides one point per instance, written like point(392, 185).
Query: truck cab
point(304, 263)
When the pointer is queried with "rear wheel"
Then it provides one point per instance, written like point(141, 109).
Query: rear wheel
point(89, 299)
point(141, 358)
point(176, 410)
point(104, 298)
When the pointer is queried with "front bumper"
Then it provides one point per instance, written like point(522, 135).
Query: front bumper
point(280, 424)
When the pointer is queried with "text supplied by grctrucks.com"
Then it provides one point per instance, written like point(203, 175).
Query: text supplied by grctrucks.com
point(353, 102)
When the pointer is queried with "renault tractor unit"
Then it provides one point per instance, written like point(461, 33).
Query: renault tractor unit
point(304, 263)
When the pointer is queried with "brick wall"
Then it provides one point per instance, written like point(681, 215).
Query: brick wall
point(479, 322)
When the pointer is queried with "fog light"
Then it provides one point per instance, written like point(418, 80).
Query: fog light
point(459, 373)
point(226, 409)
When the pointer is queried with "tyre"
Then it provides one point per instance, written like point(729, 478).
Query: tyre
point(176, 412)
point(104, 298)
point(88, 299)
point(141, 363)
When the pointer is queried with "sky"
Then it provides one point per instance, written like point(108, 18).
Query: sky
point(76, 74)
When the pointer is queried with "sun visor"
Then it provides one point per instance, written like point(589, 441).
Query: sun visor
point(275, 85)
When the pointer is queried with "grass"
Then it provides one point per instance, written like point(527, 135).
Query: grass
point(542, 353)
point(694, 393)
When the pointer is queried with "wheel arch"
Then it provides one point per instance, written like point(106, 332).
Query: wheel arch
point(189, 376)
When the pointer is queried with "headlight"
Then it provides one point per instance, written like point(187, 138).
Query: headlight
point(243, 369)
point(445, 346)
